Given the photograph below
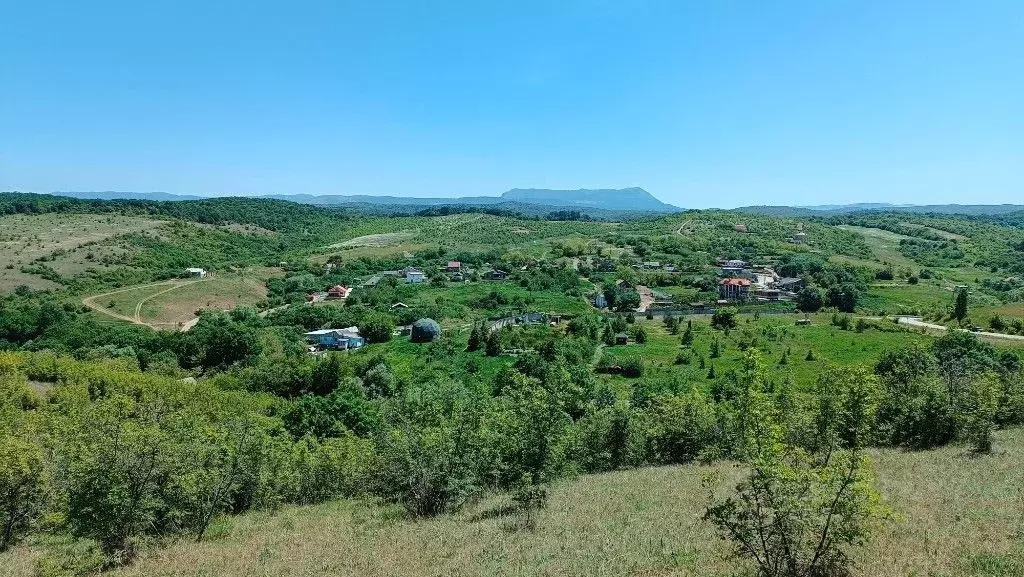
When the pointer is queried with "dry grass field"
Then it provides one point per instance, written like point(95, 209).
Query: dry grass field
point(69, 243)
point(172, 304)
point(954, 515)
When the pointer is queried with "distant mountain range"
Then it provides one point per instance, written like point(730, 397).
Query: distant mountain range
point(834, 209)
point(625, 199)
point(599, 203)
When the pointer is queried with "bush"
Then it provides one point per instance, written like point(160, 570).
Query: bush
point(724, 318)
point(377, 328)
point(21, 487)
point(798, 511)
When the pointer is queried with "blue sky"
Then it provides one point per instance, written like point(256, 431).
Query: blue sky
point(715, 103)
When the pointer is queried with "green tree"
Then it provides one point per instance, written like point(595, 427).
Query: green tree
point(798, 511)
point(377, 327)
point(687, 338)
point(21, 487)
point(426, 452)
point(810, 300)
point(492, 343)
point(724, 318)
point(960, 305)
point(640, 334)
point(476, 338)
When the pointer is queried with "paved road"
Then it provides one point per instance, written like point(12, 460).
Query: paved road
point(918, 322)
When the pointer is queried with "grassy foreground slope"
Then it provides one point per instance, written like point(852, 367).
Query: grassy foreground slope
point(954, 515)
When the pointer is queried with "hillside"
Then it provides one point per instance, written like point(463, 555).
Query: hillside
point(954, 515)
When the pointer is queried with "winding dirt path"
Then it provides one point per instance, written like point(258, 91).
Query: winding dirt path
point(137, 319)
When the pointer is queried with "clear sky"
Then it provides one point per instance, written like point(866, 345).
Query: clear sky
point(714, 103)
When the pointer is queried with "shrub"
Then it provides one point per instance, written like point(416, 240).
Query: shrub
point(798, 512)
point(724, 318)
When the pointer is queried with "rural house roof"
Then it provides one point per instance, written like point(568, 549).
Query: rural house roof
point(736, 282)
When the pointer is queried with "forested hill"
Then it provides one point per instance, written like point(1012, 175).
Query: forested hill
point(532, 202)
point(831, 210)
point(276, 215)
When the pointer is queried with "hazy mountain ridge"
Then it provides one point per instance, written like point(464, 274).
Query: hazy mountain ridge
point(831, 210)
point(633, 200)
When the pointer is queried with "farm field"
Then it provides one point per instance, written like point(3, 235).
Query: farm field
point(953, 515)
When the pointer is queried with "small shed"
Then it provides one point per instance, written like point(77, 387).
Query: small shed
point(195, 272)
point(621, 339)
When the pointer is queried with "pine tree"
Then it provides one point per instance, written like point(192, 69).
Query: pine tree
point(475, 338)
point(960, 307)
point(687, 339)
point(493, 344)
point(711, 372)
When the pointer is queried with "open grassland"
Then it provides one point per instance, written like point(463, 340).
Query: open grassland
point(884, 245)
point(172, 304)
point(463, 299)
point(223, 291)
point(68, 243)
point(953, 515)
point(776, 336)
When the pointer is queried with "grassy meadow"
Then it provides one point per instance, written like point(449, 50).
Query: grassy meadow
point(952, 515)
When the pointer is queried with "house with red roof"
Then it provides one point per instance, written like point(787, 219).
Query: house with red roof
point(734, 289)
point(338, 292)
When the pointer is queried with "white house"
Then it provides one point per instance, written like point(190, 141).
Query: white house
point(196, 272)
point(414, 276)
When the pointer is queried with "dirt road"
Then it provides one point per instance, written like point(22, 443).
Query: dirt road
point(918, 322)
point(137, 319)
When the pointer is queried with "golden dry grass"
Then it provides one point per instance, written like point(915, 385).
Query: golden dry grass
point(955, 515)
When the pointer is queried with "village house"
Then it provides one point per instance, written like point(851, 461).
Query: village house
point(335, 339)
point(195, 272)
point(414, 276)
point(454, 266)
point(496, 275)
point(652, 264)
point(621, 339)
point(734, 289)
point(789, 284)
point(338, 292)
point(767, 294)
